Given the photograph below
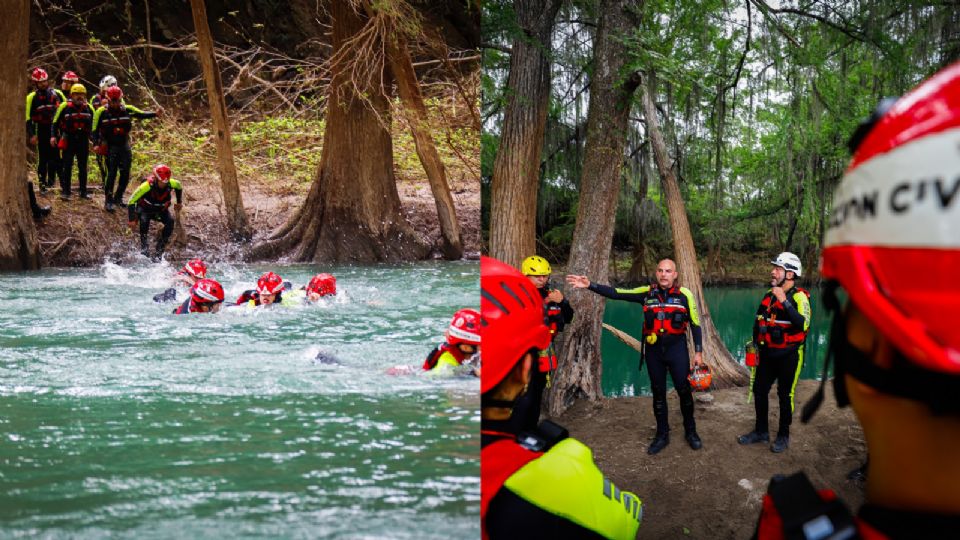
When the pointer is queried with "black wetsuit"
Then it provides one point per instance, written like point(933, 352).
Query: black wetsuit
point(667, 314)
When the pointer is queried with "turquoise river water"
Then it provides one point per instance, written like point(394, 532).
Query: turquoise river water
point(119, 419)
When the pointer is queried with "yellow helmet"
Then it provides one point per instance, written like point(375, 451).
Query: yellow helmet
point(535, 266)
point(78, 89)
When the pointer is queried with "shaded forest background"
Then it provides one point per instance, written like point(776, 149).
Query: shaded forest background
point(275, 63)
point(757, 102)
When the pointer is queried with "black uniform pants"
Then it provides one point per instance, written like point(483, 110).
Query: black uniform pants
point(118, 163)
point(670, 354)
point(162, 216)
point(48, 157)
point(78, 147)
point(783, 367)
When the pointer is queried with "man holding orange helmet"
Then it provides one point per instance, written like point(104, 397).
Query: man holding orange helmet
point(895, 340)
point(540, 484)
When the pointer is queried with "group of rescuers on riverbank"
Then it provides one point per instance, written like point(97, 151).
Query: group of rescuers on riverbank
point(896, 356)
point(63, 125)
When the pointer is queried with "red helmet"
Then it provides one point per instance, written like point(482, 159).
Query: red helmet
point(114, 92)
point(38, 74)
point(196, 268)
point(881, 224)
point(162, 172)
point(71, 77)
point(206, 291)
point(269, 283)
point(700, 378)
point(323, 284)
point(512, 320)
point(464, 327)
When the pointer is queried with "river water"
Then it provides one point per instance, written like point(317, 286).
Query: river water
point(118, 418)
point(732, 310)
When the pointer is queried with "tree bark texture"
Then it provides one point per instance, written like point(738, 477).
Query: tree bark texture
point(608, 115)
point(352, 211)
point(19, 247)
point(232, 200)
point(726, 371)
point(417, 118)
point(516, 169)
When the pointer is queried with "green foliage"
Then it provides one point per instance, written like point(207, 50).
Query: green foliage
point(757, 147)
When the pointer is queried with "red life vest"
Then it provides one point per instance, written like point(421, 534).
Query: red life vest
point(434, 356)
point(665, 312)
point(771, 526)
point(74, 119)
point(44, 106)
point(775, 329)
point(499, 461)
point(115, 124)
point(158, 198)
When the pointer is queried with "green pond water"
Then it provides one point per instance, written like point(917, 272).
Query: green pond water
point(732, 310)
point(119, 419)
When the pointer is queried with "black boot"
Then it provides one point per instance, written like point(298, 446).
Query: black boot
point(38, 211)
point(781, 444)
point(754, 437)
point(108, 206)
point(693, 439)
point(689, 424)
point(659, 442)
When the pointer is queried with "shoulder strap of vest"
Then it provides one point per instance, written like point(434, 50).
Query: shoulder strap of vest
point(799, 289)
point(805, 513)
point(431, 360)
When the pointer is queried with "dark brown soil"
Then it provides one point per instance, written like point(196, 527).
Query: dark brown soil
point(715, 493)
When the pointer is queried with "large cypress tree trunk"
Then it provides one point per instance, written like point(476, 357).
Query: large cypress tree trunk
point(418, 120)
point(516, 169)
point(232, 199)
point(726, 371)
point(19, 248)
point(608, 118)
point(352, 212)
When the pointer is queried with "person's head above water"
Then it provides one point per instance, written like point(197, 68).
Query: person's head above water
point(206, 296)
point(464, 330)
point(195, 269)
point(268, 287)
point(321, 285)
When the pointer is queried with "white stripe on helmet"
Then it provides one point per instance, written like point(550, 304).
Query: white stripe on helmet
point(907, 197)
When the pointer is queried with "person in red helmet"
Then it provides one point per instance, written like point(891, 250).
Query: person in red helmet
point(67, 81)
point(205, 296)
point(42, 104)
point(320, 286)
point(462, 342)
point(111, 137)
point(894, 340)
point(194, 270)
point(269, 291)
point(542, 483)
point(151, 202)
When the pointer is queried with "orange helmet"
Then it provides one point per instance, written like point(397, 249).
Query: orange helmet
point(700, 378)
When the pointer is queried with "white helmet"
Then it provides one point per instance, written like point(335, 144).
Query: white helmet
point(788, 261)
point(107, 81)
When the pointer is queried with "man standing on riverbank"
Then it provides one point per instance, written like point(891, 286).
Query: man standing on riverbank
point(539, 483)
point(668, 311)
point(779, 330)
point(558, 313)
